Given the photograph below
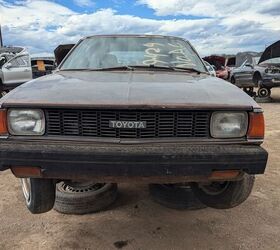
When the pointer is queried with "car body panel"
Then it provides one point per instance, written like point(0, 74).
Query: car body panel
point(127, 88)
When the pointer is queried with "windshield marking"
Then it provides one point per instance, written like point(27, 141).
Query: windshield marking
point(181, 59)
point(153, 57)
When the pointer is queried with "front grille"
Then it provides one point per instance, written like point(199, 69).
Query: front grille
point(159, 124)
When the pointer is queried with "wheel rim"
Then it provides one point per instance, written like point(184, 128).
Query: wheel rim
point(26, 189)
point(263, 92)
point(215, 188)
point(80, 187)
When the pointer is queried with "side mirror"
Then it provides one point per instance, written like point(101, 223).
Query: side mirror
point(8, 65)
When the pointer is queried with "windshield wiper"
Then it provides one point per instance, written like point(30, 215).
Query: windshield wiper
point(152, 66)
point(133, 67)
point(188, 69)
point(102, 69)
point(114, 68)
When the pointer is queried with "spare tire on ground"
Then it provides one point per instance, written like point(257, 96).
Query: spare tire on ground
point(84, 197)
point(176, 196)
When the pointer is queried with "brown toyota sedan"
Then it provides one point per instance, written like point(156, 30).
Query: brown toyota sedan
point(131, 108)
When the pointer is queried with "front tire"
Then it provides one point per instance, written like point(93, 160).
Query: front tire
point(175, 196)
point(39, 194)
point(224, 195)
point(249, 91)
point(264, 92)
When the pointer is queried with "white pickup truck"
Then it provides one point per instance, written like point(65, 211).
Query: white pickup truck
point(15, 67)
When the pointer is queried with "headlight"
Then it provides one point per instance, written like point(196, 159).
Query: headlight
point(26, 122)
point(229, 124)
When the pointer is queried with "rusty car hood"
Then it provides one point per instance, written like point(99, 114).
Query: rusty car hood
point(128, 89)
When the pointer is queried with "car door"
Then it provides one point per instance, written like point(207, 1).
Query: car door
point(243, 74)
point(17, 70)
point(248, 73)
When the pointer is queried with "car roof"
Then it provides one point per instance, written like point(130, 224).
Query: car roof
point(134, 35)
point(14, 50)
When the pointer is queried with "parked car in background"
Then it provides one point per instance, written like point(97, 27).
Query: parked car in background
point(267, 73)
point(42, 65)
point(15, 67)
point(129, 108)
point(219, 63)
point(210, 68)
point(61, 51)
point(242, 74)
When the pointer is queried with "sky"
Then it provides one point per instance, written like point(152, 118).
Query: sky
point(213, 27)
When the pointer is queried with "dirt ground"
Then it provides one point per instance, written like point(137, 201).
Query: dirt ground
point(136, 222)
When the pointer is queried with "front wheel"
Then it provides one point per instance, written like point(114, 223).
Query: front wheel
point(264, 92)
point(176, 196)
point(226, 194)
point(249, 91)
point(39, 194)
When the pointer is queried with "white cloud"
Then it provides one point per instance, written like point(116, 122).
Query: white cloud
point(84, 3)
point(42, 25)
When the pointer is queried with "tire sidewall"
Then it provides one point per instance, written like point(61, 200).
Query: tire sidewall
point(234, 194)
point(41, 195)
point(85, 202)
point(175, 197)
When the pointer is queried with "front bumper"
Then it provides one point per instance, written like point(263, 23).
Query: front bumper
point(168, 160)
point(271, 81)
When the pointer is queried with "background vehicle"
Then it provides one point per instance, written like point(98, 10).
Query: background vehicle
point(15, 69)
point(42, 65)
point(267, 72)
point(242, 74)
point(210, 68)
point(61, 51)
point(219, 62)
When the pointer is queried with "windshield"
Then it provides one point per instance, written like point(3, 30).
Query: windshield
point(256, 60)
point(108, 52)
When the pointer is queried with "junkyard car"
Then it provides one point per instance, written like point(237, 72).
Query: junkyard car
point(15, 67)
point(129, 108)
point(61, 51)
point(267, 72)
point(210, 68)
point(242, 74)
point(222, 71)
point(42, 65)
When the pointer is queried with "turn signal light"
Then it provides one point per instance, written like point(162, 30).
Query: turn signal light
point(3, 122)
point(225, 174)
point(24, 171)
point(256, 126)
